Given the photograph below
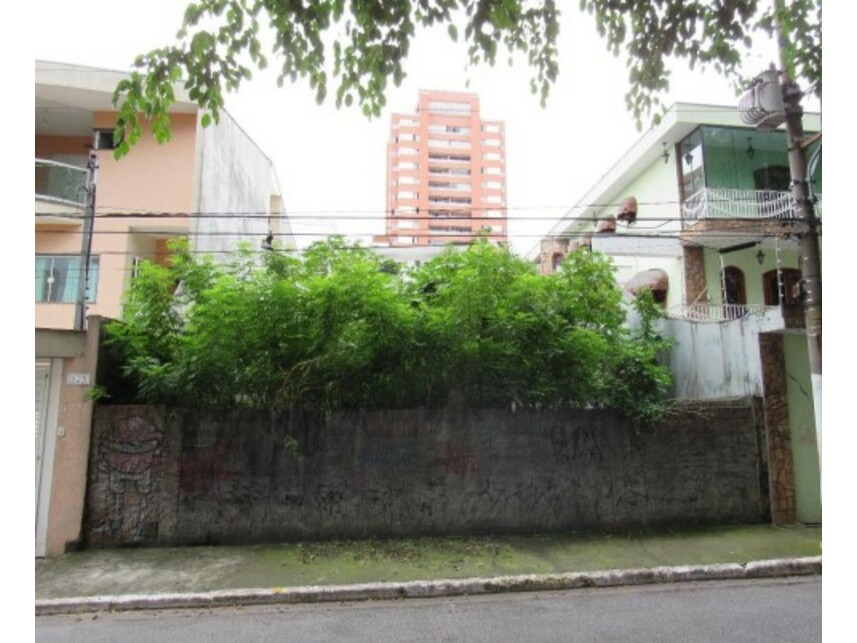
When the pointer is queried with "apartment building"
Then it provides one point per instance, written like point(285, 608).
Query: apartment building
point(446, 174)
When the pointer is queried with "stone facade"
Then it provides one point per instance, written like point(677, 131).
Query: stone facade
point(162, 476)
point(752, 227)
point(778, 433)
point(552, 251)
point(694, 274)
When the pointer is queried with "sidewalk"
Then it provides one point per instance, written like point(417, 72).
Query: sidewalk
point(354, 570)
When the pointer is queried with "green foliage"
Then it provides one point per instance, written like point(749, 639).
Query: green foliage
point(364, 45)
point(702, 33)
point(344, 329)
point(95, 394)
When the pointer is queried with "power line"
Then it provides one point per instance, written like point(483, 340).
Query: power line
point(236, 252)
point(458, 213)
point(787, 228)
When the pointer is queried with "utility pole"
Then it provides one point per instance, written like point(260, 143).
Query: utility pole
point(810, 257)
point(86, 243)
point(773, 99)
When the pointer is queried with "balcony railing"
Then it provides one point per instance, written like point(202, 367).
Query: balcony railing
point(730, 203)
point(717, 312)
point(60, 183)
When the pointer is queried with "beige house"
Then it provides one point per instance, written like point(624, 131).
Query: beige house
point(213, 186)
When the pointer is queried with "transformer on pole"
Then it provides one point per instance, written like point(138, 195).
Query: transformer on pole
point(773, 99)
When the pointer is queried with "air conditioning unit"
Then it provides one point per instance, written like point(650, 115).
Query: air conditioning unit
point(762, 104)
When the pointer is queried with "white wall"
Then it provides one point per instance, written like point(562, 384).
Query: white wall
point(715, 360)
point(657, 193)
point(632, 255)
point(236, 177)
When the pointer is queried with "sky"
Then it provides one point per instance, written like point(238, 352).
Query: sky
point(331, 163)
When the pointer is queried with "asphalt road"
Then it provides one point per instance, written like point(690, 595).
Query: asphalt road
point(778, 610)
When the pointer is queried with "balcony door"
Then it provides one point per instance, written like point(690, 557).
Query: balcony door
point(768, 179)
point(773, 177)
point(734, 292)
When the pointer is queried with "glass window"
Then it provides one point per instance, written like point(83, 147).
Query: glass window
point(58, 278)
point(449, 107)
point(692, 170)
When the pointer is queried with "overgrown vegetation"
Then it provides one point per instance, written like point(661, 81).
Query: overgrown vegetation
point(343, 328)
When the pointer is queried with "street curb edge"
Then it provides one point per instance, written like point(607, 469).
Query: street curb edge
point(782, 567)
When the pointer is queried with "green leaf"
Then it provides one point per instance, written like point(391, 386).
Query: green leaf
point(369, 43)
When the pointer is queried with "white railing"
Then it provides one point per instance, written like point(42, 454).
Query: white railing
point(729, 203)
point(716, 312)
point(60, 182)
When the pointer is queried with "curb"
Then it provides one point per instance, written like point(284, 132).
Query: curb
point(782, 567)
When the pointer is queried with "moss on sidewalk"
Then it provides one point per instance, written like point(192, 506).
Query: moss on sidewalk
point(195, 569)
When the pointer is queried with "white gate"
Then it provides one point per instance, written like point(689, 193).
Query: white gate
point(47, 402)
point(43, 377)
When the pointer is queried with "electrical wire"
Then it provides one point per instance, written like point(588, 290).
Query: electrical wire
point(416, 232)
point(116, 211)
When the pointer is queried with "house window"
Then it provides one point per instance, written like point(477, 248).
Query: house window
point(772, 177)
point(448, 107)
point(789, 279)
point(136, 266)
point(58, 278)
point(691, 162)
point(103, 139)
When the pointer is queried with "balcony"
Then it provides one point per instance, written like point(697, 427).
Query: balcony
point(705, 312)
point(731, 204)
point(60, 192)
point(768, 318)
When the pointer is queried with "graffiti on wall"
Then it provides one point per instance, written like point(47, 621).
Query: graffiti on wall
point(573, 445)
point(457, 460)
point(128, 453)
point(379, 453)
point(174, 482)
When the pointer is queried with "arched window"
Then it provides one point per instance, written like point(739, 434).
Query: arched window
point(788, 284)
point(734, 291)
point(556, 261)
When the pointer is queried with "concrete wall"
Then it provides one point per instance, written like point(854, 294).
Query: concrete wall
point(163, 476)
point(656, 189)
point(632, 255)
point(235, 177)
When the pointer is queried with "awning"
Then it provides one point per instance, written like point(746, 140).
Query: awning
point(653, 279)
